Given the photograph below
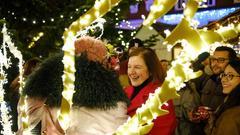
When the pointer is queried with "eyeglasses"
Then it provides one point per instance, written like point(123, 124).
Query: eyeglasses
point(229, 77)
point(219, 60)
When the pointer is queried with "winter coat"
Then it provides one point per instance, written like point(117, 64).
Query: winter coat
point(211, 94)
point(96, 87)
point(189, 99)
point(226, 119)
point(228, 123)
point(86, 121)
point(163, 125)
point(38, 112)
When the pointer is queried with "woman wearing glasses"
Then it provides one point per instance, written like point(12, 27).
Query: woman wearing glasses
point(227, 118)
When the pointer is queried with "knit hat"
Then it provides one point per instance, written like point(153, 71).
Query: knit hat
point(197, 64)
point(95, 85)
point(136, 42)
point(95, 49)
point(203, 56)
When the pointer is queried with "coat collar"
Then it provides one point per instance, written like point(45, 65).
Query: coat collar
point(141, 97)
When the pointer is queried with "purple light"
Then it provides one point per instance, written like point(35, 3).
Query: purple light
point(204, 17)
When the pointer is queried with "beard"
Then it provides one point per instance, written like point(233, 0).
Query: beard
point(217, 70)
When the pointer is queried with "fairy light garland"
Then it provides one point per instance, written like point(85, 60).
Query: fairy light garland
point(5, 118)
point(35, 39)
point(180, 72)
point(176, 75)
point(96, 25)
point(99, 9)
point(42, 21)
point(159, 8)
point(141, 123)
point(5, 62)
point(69, 87)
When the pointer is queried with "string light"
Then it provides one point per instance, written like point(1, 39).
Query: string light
point(99, 9)
point(176, 75)
point(35, 39)
point(158, 9)
point(120, 32)
point(141, 123)
point(204, 17)
point(43, 21)
point(5, 62)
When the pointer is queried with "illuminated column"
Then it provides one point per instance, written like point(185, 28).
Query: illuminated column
point(158, 9)
point(99, 9)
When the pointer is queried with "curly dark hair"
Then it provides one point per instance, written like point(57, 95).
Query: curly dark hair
point(95, 85)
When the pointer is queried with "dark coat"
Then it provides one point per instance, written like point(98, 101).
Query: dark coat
point(228, 123)
point(227, 118)
point(189, 100)
point(211, 94)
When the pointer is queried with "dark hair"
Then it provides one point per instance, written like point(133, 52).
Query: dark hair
point(28, 67)
point(234, 96)
point(46, 81)
point(197, 64)
point(203, 56)
point(95, 85)
point(231, 53)
point(164, 60)
point(235, 64)
point(153, 64)
point(134, 41)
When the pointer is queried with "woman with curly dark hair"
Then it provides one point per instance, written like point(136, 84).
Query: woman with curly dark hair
point(99, 103)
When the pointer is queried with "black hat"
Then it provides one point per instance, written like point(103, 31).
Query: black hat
point(203, 56)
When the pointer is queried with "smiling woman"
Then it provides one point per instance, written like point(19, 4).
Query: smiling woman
point(146, 74)
point(227, 117)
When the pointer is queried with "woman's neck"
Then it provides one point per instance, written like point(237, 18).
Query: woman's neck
point(137, 89)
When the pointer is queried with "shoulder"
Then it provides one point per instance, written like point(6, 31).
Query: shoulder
point(230, 115)
point(228, 123)
point(234, 111)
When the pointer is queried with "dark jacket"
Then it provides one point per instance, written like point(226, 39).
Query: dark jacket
point(211, 94)
point(189, 99)
point(227, 118)
point(228, 123)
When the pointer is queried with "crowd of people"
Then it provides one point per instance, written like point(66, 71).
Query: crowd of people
point(105, 97)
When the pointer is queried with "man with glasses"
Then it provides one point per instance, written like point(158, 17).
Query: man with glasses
point(211, 94)
point(211, 88)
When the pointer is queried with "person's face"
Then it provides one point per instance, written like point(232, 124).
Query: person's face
point(114, 63)
point(219, 61)
point(137, 70)
point(230, 79)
